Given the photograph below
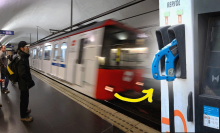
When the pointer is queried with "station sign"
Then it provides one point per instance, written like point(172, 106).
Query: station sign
point(6, 32)
point(9, 48)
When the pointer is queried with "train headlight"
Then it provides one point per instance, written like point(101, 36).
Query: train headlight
point(109, 88)
point(139, 83)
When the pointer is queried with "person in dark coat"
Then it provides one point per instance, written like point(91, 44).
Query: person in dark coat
point(3, 64)
point(25, 81)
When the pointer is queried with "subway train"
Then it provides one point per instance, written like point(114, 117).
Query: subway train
point(98, 59)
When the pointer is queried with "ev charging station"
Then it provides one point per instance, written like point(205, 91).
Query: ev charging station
point(188, 65)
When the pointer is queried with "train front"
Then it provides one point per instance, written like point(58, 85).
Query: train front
point(122, 62)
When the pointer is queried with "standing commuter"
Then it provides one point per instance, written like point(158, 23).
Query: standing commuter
point(3, 64)
point(0, 103)
point(25, 81)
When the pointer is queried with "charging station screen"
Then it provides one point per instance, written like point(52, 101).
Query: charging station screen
point(211, 117)
point(215, 39)
point(212, 65)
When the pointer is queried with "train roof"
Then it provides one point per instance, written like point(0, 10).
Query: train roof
point(89, 27)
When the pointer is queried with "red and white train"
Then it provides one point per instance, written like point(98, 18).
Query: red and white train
point(98, 60)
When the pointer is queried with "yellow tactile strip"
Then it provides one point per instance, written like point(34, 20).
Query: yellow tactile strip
point(117, 119)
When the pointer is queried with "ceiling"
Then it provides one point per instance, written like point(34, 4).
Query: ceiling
point(23, 16)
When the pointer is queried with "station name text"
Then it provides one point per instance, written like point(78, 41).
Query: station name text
point(173, 3)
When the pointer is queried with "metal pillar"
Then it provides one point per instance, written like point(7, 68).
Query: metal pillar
point(71, 17)
point(37, 33)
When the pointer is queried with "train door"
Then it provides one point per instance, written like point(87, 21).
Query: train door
point(54, 63)
point(40, 58)
point(87, 63)
point(90, 64)
point(62, 58)
point(72, 57)
point(47, 59)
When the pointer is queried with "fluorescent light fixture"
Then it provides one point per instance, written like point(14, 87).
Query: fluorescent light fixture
point(142, 35)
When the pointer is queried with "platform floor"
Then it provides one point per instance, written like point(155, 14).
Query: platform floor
point(53, 112)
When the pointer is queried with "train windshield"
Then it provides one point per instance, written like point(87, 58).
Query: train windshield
point(122, 49)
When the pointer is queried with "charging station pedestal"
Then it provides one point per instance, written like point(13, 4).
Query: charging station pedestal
point(196, 90)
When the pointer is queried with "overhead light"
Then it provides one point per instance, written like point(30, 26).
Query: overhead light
point(122, 36)
point(92, 39)
point(142, 35)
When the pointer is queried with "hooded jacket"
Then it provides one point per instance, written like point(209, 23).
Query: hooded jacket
point(25, 81)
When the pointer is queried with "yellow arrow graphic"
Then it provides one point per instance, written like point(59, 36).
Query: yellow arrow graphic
point(148, 95)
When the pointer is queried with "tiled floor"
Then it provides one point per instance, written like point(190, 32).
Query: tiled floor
point(52, 111)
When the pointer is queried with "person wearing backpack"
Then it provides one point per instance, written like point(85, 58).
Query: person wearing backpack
point(15, 54)
point(3, 64)
point(13, 57)
point(25, 81)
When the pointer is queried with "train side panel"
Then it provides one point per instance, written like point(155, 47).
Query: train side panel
point(72, 58)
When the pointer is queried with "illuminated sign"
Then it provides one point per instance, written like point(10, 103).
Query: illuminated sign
point(6, 32)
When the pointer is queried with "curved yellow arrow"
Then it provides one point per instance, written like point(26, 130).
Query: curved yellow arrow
point(148, 95)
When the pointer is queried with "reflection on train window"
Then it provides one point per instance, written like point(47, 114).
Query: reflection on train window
point(55, 52)
point(123, 48)
point(34, 53)
point(79, 60)
point(47, 52)
point(63, 52)
point(41, 52)
point(127, 56)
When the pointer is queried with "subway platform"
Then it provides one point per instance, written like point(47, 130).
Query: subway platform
point(59, 109)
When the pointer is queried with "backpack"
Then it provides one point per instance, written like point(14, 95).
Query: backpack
point(12, 70)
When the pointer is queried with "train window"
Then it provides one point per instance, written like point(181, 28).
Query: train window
point(82, 42)
point(34, 53)
point(38, 53)
point(55, 52)
point(123, 48)
point(63, 52)
point(127, 56)
point(41, 52)
point(30, 51)
point(47, 52)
